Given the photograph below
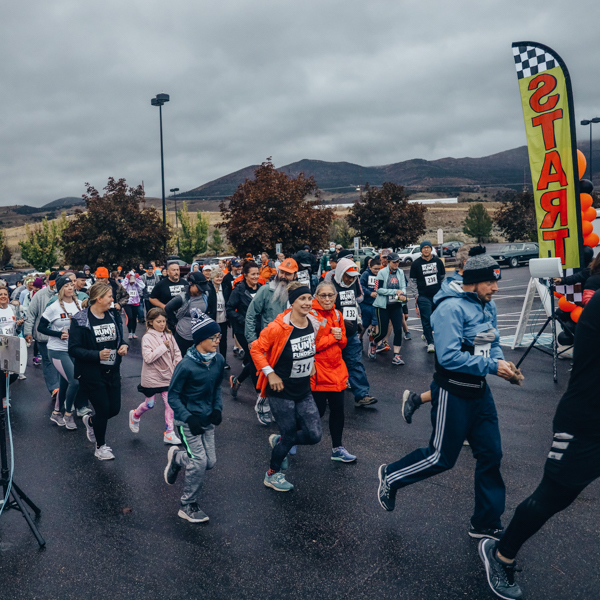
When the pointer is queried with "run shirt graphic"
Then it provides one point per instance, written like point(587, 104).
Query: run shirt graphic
point(105, 333)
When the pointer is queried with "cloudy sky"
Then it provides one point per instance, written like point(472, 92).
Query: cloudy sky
point(371, 82)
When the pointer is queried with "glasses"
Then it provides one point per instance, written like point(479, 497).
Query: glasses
point(328, 296)
point(215, 338)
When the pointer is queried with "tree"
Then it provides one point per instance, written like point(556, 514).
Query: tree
point(478, 223)
point(275, 208)
point(516, 218)
point(116, 229)
point(216, 244)
point(341, 233)
point(383, 217)
point(40, 248)
point(6, 254)
point(194, 234)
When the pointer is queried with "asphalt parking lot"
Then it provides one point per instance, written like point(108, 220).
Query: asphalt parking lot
point(112, 529)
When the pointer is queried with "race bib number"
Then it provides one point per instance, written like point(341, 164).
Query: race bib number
point(133, 294)
point(302, 368)
point(483, 350)
point(150, 288)
point(371, 280)
point(111, 359)
point(431, 279)
point(220, 307)
point(303, 277)
point(350, 313)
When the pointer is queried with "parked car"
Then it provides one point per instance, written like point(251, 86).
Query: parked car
point(410, 253)
point(451, 248)
point(8, 267)
point(515, 254)
point(184, 268)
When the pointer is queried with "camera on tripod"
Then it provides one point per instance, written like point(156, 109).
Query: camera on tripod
point(13, 354)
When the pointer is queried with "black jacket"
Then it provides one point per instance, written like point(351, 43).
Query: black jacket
point(83, 348)
point(226, 285)
point(304, 257)
point(212, 299)
point(237, 305)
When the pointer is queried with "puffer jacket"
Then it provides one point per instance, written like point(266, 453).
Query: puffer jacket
point(332, 373)
point(159, 361)
point(238, 304)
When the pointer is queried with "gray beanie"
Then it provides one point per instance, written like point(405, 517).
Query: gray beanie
point(481, 268)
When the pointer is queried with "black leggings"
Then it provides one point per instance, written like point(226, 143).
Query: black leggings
point(184, 345)
point(249, 368)
point(105, 396)
point(392, 313)
point(223, 342)
point(336, 413)
point(547, 500)
point(131, 310)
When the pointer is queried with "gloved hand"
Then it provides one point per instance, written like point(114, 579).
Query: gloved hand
point(195, 424)
point(216, 417)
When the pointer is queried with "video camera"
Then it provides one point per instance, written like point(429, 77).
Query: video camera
point(13, 354)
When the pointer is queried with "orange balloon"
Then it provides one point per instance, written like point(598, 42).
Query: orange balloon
point(586, 201)
point(557, 295)
point(591, 240)
point(581, 163)
point(589, 214)
point(576, 314)
point(586, 228)
point(565, 305)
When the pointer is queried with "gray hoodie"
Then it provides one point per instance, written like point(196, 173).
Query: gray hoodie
point(34, 313)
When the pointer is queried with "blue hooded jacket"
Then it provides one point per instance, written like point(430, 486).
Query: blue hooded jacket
point(458, 318)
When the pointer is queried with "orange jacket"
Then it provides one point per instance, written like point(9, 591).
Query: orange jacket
point(240, 277)
point(267, 349)
point(332, 374)
point(267, 270)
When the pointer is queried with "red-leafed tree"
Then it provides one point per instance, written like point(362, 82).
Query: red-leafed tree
point(274, 208)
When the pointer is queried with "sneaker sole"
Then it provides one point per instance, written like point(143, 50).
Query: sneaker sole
point(486, 564)
point(379, 474)
point(70, 428)
point(170, 456)
point(260, 420)
point(172, 442)
point(482, 536)
point(59, 424)
point(344, 461)
point(397, 364)
point(405, 398)
point(187, 517)
point(132, 423)
point(104, 458)
point(270, 485)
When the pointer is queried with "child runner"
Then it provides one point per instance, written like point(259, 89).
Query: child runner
point(134, 286)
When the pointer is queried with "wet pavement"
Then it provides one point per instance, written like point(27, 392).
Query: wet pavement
point(112, 529)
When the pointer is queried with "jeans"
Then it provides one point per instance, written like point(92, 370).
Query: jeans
point(357, 376)
point(198, 457)
point(69, 386)
point(425, 305)
point(51, 376)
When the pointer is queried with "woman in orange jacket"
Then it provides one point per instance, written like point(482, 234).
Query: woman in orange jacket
point(284, 354)
point(328, 384)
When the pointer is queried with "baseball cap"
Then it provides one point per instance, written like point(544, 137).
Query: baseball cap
point(236, 262)
point(289, 265)
point(393, 257)
point(197, 278)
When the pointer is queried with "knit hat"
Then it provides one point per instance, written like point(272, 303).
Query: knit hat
point(80, 275)
point(203, 326)
point(61, 281)
point(102, 272)
point(53, 277)
point(38, 282)
point(343, 253)
point(425, 243)
point(197, 278)
point(86, 268)
point(481, 268)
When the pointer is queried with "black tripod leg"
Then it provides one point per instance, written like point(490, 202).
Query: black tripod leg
point(16, 497)
point(26, 498)
point(535, 339)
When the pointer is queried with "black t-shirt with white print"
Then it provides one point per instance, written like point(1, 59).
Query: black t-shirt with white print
point(295, 364)
point(347, 304)
point(105, 332)
point(429, 275)
point(166, 289)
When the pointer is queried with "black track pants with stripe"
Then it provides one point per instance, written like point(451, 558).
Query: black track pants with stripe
point(454, 420)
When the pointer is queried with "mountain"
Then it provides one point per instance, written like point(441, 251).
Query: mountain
point(66, 202)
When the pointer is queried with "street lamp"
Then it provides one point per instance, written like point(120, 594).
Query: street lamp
point(159, 101)
point(176, 222)
point(590, 122)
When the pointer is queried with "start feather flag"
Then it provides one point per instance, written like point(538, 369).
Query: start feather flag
point(547, 100)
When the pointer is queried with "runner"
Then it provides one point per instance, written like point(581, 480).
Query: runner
point(227, 285)
point(270, 300)
point(367, 311)
point(9, 325)
point(80, 286)
point(119, 293)
point(267, 268)
point(573, 460)
point(349, 295)
point(329, 382)
point(333, 261)
point(96, 344)
point(134, 286)
point(169, 287)
point(56, 323)
point(160, 355)
point(285, 353)
point(150, 280)
point(195, 397)
point(468, 349)
point(217, 299)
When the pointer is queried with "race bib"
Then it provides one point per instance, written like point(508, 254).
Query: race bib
point(111, 359)
point(220, 307)
point(303, 277)
point(302, 368)
point(371, 280)
point(150, 288)
point(133, 294)
point(349, 313)
point(431, 279)
point(483, 350)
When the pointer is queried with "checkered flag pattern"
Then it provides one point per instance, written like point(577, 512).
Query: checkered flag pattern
point(530, 60)
point(573, 293)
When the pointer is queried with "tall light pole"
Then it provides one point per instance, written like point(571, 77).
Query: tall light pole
point(176, 221)
point(590, 122)
point(159, 101)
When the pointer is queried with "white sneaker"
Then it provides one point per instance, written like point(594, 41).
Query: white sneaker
point(430, 348)
point(131, 336)
point(104, 453)
point(134, 424)
point(170, 437)
point(89, 430)
point(81, 412)
point(22, 376)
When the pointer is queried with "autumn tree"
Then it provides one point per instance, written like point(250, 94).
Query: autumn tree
point(116, 229)
point(478, 223)
point(275, 208)
point(516, 217)
point(383, 217)
point(41, 244)
point(194, 234)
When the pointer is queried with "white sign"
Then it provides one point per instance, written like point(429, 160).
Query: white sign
point(277, 248)
point(440, 236)
point(356, 243)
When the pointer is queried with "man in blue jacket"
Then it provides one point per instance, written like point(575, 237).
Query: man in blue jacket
point(467, 349)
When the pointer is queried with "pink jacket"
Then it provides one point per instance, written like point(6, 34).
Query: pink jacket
point(159, 361)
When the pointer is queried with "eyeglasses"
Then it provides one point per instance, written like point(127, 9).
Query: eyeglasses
point(215, 338)
point(328, 296)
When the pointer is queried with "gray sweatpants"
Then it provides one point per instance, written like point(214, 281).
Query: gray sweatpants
point(197, 458)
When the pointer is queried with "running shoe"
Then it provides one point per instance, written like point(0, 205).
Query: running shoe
point(235, 385)
point(273, 441)
point(135, 337)
point(278, 482)
point(364, 401)
point(104, 453)
point(263, 411)
point(37, 360)
point(227, 366)
point(81, 412)
point(70, 421)
point(494, 534)
point(89, 430)
point(410, 403)
point(236, 351)
point(397, 360)
point(58, 419)
point(342, 455)
point(134, 424)
point(500, 575)
point(241, 353)
point(130, 335)
point(385, 494)
point(382, 347)
point(466, 443)
point(192, 513)
point(424, 338)
point(372, 354)
point(407, 336)
point(430, 348)
point(293, 450)
point(172, 469)
point(171, 437)
point(21, 376)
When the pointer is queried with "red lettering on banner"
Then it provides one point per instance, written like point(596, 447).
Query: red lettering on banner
point(547, 122)
point(554, 210)
point(551, 161)
point(558, 237)
point(548, 84)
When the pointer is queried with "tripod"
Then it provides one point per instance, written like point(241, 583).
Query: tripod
point(17, 495)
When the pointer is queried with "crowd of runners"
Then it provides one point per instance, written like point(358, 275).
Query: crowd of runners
point(297, 326)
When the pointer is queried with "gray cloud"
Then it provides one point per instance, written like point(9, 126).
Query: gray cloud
point(367, 82)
